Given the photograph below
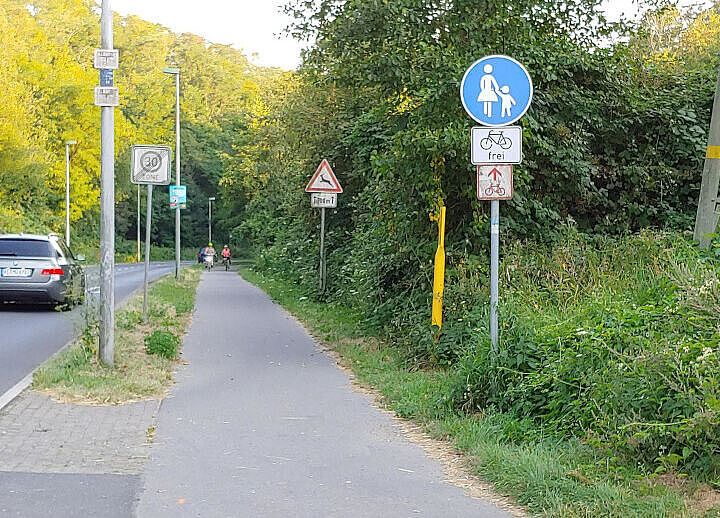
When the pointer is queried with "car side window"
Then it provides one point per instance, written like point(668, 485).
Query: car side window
point(65, 250)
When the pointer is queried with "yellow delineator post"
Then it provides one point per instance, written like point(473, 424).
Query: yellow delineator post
point(439, 282)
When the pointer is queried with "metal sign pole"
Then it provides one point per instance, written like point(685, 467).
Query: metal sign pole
point(177, 173)
point(323, 269)
point(147, 250)
point(138, 224)
point(106, 348)
point(494, 267)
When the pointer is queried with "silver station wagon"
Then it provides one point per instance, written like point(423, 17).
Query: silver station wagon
point(37, 268)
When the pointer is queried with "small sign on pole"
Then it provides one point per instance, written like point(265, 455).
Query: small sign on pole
point(178, 196)
point(495, 182)
point(150, 165)
point(107, 78)
point(107, 96)
point(106, 59)
point(323, 200)
point(496, 145)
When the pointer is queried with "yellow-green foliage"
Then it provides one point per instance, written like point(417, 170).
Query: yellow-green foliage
point(47, 80)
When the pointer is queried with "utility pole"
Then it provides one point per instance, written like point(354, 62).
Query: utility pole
point(68, 143)
point(176, 73)
point(106, 349)
point(706, 220)
point(210, 200)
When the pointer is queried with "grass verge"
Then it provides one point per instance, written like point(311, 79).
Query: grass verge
point(77, 376)
point(549, 477)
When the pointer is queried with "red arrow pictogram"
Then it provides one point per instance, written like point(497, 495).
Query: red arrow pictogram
point(495, 173)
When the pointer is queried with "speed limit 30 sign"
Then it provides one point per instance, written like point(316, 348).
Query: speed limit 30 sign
point(150, 165)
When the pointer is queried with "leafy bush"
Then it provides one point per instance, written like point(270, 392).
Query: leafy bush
point(614, 342)
point(162, 343)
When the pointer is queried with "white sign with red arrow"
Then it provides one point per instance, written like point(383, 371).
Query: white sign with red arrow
point(495, 182)
point(324, 180)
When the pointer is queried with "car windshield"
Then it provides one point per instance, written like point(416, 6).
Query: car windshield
point(24, 248)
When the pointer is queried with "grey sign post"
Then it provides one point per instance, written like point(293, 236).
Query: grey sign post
point(149, 165)
point(324, 188)
point(496, 91)
point(106, 96)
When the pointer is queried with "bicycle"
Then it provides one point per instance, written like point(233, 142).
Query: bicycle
point(495, 137)
point(226, 263)
point(495, 189)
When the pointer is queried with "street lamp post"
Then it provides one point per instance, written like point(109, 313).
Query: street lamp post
point(68, 143)
point(210, 200)
point(176, 73)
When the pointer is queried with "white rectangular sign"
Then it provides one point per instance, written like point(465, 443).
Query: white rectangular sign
point(106, 59)
point(107, 96)
point(150, 165)
point(495, 182)
point(496, 145)
point(322, 200)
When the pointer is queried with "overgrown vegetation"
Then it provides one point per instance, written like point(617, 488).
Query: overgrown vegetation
point(145, 352)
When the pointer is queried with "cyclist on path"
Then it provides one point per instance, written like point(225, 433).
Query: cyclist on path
point(226, 253)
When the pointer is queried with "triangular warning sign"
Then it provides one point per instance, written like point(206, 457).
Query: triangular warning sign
point(324, 180)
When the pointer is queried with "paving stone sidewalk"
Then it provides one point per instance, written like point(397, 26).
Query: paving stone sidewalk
point(39, 435)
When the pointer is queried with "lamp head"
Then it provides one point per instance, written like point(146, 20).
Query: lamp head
point(212, 198)
point(71, 142)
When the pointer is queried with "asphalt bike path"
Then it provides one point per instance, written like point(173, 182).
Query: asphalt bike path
point(261, 423)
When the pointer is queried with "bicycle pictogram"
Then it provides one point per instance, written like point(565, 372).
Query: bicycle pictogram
point(496, 137)
point(495, 189)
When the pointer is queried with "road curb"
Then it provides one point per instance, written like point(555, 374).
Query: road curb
point(15, 391)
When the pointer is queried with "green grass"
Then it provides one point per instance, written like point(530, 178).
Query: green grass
point(549, 476)
point(77, 376)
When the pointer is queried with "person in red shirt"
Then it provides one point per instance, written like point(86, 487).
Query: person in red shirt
point(226, 253)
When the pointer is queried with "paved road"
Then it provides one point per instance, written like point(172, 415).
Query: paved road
point(262, 423)
point(30, 335)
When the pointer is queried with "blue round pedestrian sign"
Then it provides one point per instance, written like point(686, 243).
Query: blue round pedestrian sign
point(496, 90)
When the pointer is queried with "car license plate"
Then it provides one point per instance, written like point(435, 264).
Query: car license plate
point(15, 272)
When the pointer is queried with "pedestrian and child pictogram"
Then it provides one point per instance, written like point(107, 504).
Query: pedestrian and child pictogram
point(496, 90)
